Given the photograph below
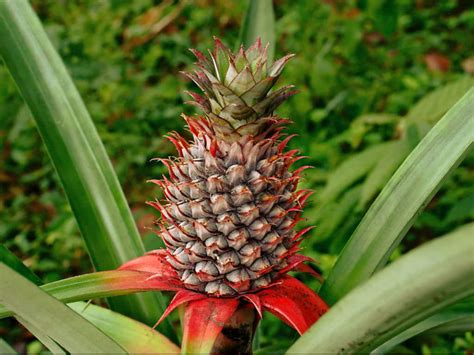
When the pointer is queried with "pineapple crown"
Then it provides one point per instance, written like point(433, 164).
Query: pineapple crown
point(237, 98)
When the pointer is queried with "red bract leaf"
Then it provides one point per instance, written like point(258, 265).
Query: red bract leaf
point(179, 298)
point(294, 303)
point(153, 262)
point(156, 272)
point(302, 232)
point(132, 281)
point(299, 258)
point(296, 263)
point(155, 283)
point(255, 301)
point(203, 321)
point(309, 270)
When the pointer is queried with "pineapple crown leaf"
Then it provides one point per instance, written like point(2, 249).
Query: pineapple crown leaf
point(237, 87)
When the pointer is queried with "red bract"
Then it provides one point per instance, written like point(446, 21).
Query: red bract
point(205, 316)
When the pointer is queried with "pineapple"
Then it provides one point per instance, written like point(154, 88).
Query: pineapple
point(231, 201)
point(230, 209)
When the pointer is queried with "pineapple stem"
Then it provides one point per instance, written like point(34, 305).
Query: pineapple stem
point(237, 335)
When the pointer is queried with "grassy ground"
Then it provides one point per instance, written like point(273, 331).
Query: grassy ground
point(361, 69)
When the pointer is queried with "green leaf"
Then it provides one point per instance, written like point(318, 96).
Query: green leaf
point(133, 336)
point(399, 203)
point(95, 285)
point(462, 210)
point(455, 313)
point(333, 214)
point(56, 320)
point(75, 148)
point(42, 336)
point(385, 15)
point(98, 285)
point(383, 170)
point(5, 348)
point(352, 169)
point(412, 288)
point(259, 22)
point(434, 105)
point(462, 325)
point(10, 259)
point(363, 124)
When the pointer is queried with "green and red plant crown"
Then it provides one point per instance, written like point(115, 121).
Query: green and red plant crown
point(231, 201)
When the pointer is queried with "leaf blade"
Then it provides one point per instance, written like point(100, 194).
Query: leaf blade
point(399, 203)
point(133, 336)
point(382, 171)
point(42, 336)
point(435, 104)
point(75, 149)
point(10, 259)
point(203, 320)
point(352, 169)
point(5, 348)
point(97, 285)
point(294, 303)
point(61, 324)
point(462, 325)
point(458, 312)
point(259, 21)
point(399, 296)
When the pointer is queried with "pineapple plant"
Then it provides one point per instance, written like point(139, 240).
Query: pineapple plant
point(231, 202)
point(223, 286)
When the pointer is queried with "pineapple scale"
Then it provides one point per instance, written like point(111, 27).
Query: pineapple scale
point(231, 201)
point(229, 211)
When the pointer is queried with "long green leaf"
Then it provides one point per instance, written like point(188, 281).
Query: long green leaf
point(335, 213)
point(383, 170)
point(458, 312)
point(95, 285)
point(462, 325)
point(399, 203)
point(259, 22)
point(5, 348)
point(75, 148)
point(435, 104)
point(10, 259)
point(56, 320)
point(42, 336)
point(133, 336)
point(354, 168)
point(404, 293)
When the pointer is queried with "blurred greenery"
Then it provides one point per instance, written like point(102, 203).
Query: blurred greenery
point(373, 76)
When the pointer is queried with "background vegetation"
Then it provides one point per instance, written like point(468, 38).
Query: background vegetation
point(373, 76)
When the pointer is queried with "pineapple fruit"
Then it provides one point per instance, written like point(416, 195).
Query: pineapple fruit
point(231, 200)
point(230, 209)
